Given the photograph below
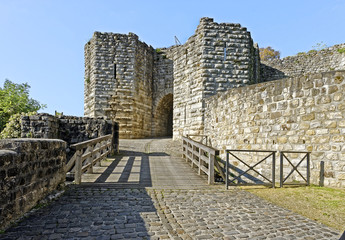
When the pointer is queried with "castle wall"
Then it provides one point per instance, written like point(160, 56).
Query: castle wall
point(68, 128)
point(141, 114)
point(303, 113)
point(188, 87)
point(130, 82)
point(217, 57)
point(119, 82)
point(328, 59)
point(30, 169)
point(162, 94)
point(89, 86)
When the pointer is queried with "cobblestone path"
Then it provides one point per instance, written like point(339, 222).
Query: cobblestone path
point(107, 211)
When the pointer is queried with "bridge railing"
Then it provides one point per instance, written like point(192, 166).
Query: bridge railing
point(87, 154)
point(200, 155)
point(201, 138)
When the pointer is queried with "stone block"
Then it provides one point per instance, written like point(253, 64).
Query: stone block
point(308, 117)
point(338, 138)
point(282, 140)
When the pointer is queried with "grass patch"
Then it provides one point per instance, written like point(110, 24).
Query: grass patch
point(341, 50)
point(324, 205)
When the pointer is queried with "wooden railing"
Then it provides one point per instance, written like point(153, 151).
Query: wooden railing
point(201, 156)
point(87, 154)
point(203, 138)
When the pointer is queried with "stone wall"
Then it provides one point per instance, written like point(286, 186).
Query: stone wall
point(68, 128)
point(303, 113)
point(217, 57)
point(118, 82)
point(29, 170)
point(132, 83)
point(328, 59)
point(162, 108)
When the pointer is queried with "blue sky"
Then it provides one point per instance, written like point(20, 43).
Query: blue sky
point(42, 41)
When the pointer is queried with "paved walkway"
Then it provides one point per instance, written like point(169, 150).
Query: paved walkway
point(157, 196)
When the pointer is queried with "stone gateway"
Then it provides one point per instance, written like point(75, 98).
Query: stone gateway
point(160, 92)
point(215, 85)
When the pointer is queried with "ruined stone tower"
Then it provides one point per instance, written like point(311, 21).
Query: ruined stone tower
point(160, 92)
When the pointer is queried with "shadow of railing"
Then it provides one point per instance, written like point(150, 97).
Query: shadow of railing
point(251, 166)
point(243, 175)
point(145, 178)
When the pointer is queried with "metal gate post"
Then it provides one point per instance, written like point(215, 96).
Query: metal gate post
point(274, 170)
point(308, 169)
point(227, 170)
point(281, 170)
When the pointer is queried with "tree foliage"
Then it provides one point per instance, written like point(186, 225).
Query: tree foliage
point(13, 126)
point(268, 53)
point(14, 98)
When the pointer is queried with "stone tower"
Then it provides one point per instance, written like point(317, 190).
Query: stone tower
point(161, 92)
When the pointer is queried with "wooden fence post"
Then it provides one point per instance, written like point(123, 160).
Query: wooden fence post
point(211, 169)
point(90, 159)
point(322, 173)
point(199, 165)
point(78, 166)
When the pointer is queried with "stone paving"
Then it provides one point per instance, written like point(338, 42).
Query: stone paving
point(106, 210)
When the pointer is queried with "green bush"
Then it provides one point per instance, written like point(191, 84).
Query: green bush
point(13, 126)
point(341, 50)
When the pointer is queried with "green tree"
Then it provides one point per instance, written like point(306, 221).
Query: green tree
point(268, 53)
point(14, 98)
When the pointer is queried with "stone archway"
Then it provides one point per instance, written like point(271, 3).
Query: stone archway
point(163, 117)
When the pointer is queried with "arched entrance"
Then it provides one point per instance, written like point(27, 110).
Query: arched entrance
point(163, 117)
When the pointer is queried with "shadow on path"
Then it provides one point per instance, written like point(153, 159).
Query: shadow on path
point(93, 212)
point(145, 179)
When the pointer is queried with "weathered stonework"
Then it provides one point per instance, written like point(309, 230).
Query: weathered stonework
point(71, 129)
point(217, 57)
point(304, 113)
point(29, 170)
point(178, 91)
point(118, 81)
point(139, 87)
point(68, 128)
point(325, 60)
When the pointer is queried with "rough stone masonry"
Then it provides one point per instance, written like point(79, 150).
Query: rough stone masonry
point(159, 92)
point(215, 84)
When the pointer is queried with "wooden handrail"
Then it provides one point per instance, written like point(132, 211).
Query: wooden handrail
point(78, 146)
point(198, 154)
point(202, 146)
point(87, 154)
point(202, 136)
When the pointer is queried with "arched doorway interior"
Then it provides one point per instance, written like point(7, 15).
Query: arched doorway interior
point(164, 116)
